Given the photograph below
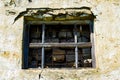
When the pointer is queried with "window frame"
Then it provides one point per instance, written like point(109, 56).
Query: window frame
point(26, 43)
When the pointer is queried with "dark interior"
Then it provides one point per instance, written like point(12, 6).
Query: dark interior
point(59, 57)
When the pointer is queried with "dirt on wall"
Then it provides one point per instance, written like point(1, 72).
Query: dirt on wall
point(106, 41)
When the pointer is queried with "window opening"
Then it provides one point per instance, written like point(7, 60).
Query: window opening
point(34, 59)
point(35, 33)
point(58, 46)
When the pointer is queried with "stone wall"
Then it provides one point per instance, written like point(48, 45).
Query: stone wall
point(106, 41)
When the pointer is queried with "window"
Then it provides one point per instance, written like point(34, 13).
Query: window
point(58, 45)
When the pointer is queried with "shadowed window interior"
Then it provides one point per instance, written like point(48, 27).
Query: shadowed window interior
point(58, 46)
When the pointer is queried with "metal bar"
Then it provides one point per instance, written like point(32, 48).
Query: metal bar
point(76, 47)
point(76, 57)
point(43, 50)
point(42, 63)
point(43, 33)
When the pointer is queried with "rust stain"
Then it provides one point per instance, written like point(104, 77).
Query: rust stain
point(16, 55)
point(112, 40)
point(6, 54)
point(10, 55)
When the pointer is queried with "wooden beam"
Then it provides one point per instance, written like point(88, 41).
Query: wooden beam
point(71, 22)
point(47, 8)
point(80, 45)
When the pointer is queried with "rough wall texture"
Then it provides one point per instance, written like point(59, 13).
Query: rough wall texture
point(106, 37)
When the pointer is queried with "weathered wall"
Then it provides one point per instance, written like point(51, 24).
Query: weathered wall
point(106, 34)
